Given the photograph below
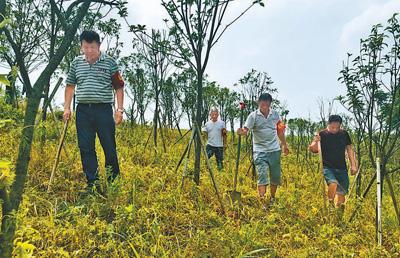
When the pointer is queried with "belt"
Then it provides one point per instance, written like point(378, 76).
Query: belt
point(93, 104)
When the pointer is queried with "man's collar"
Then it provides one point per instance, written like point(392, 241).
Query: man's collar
point(101, 57)
point(258, 112)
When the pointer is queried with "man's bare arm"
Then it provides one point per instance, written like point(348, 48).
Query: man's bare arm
point(68, 95)
point(119, 94)
point(352, 158)
point(282, 138)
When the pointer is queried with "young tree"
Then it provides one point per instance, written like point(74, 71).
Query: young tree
point(186, 81)
point(211, 93)
point(138, 84)
point(154, 49)
point(373, 91)
point(70, 17)
point(252, 85)
point(231, 110)
point(170, 94)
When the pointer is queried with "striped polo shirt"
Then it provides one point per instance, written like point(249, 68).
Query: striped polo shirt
point(93, 81)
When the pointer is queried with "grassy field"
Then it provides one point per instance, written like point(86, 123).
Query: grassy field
point(147, 213)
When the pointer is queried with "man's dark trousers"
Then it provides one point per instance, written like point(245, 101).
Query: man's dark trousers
point(92, 119)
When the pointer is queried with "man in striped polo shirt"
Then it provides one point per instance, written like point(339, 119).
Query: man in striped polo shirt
point(93, 78)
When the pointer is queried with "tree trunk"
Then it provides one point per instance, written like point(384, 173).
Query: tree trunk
point(132, 118)
point(155, 121)
point(358, 182)
point(232, 122)
point(10, 206)
point(199, 118)
point(45, 100)
point(11, 94)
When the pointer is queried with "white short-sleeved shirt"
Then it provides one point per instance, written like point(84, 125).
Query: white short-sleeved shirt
point(214, 133)
point(265, 135)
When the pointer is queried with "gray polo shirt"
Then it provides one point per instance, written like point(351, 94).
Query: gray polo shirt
point(93, 81)
point(265, 135)
point(214, 133)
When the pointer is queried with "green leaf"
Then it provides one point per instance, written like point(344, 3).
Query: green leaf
point(4, 22)
point(4, 80)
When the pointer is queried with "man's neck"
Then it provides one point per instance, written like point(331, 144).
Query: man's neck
point(330, 131)
point(94, 59)
point(265, 112)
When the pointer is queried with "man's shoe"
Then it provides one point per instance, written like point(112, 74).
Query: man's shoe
point(340, 211)
point(92, 188)
point(331, 206)
point(263, 204)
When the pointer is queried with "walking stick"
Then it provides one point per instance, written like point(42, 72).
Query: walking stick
point(354, 182)
point(60, 146)
point(234, 194)
point(322, 174)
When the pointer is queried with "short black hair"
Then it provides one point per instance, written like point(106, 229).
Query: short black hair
point(335, 118)
point(265, 97)
point(89, 36)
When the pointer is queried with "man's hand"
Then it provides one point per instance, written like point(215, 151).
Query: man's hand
point(313, 147)
point(354, 170)
point(67, 114)
point(118, 117)
point(317, 138)
point(285, 149)
point(242, 131)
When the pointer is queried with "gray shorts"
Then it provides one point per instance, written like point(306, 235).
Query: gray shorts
point(268, 166)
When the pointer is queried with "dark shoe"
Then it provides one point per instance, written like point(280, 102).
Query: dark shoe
point(93, 187)
point(112, 178)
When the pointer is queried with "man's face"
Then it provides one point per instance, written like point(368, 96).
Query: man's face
point(334, 127)
point(90, 50)
point(264, 105)
point(214, 116)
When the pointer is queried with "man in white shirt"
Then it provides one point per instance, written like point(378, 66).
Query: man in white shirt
point(216, 134)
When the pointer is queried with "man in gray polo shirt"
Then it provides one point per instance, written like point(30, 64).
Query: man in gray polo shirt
point(268, 142)
point(93, 78)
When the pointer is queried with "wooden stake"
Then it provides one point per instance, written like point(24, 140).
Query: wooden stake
point(60, 145)
point(210, 170)
point(322, 175)
point(379, 202)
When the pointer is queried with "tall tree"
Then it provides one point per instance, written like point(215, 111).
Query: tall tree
point(372, 81)
point(196, 26)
